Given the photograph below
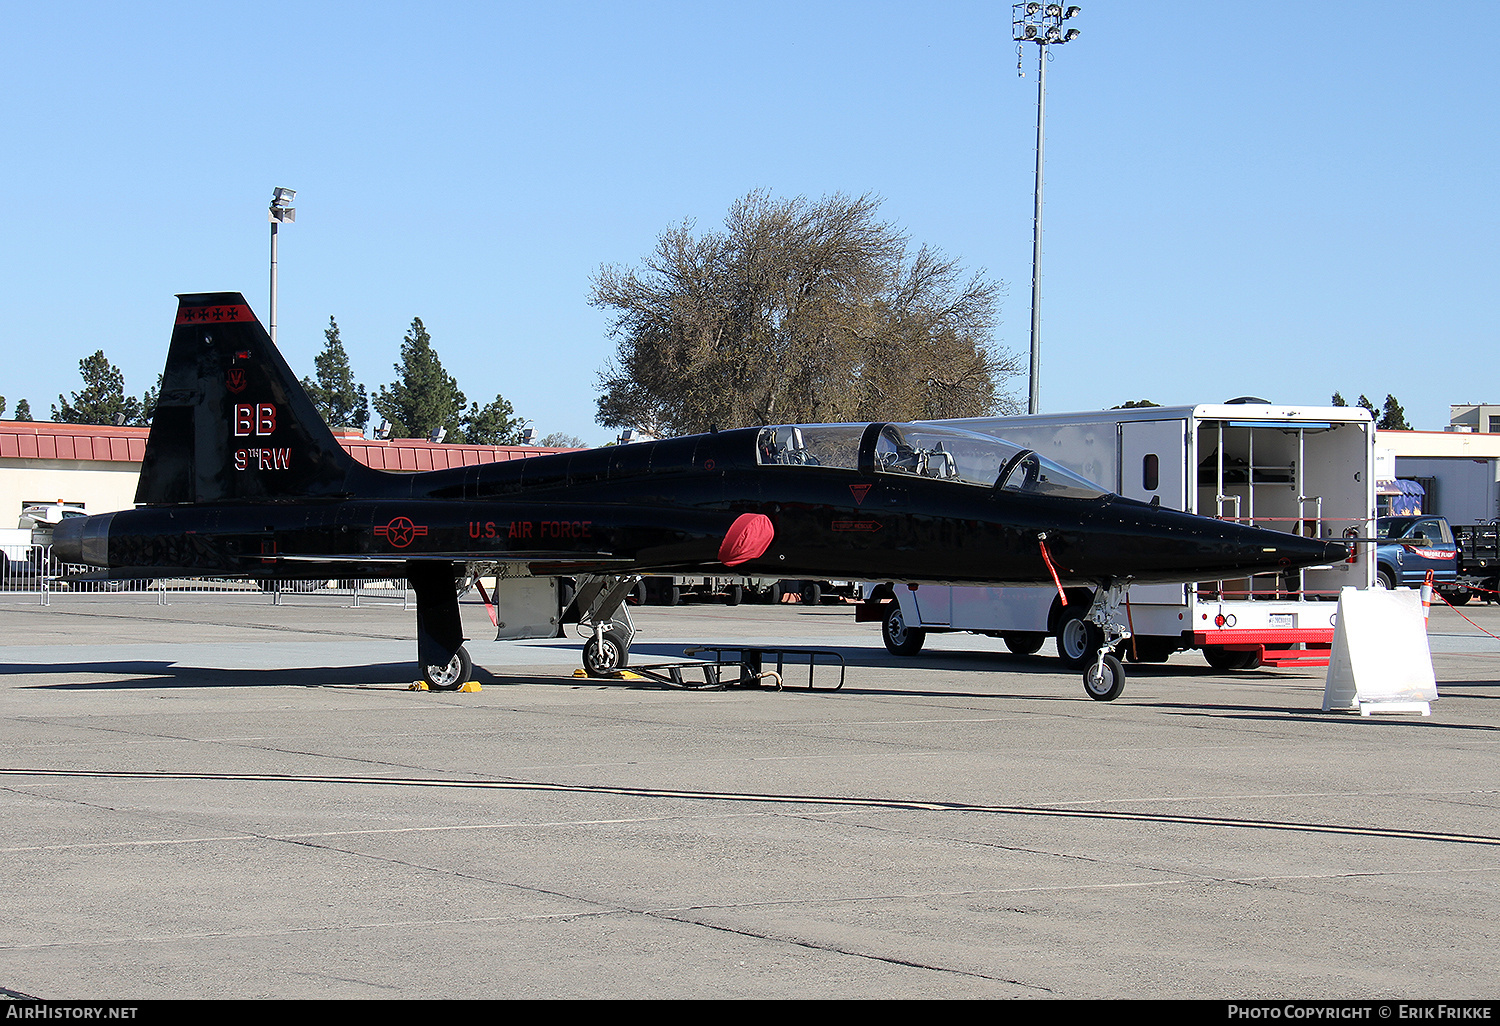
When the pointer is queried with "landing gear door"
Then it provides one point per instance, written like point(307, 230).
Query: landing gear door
point(1153, 465)
point(526, 607)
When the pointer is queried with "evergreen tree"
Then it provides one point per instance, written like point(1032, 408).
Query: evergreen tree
point(1393, 417)
point(103, 399)
point(341, 402)
point(1339, 400)
point(148, 402)
point(1364, 403)
point(493, 425)
point(2, 407)
point(23, 410)
point(424, 397)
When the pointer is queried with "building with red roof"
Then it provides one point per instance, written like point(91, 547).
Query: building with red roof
point(96, 467)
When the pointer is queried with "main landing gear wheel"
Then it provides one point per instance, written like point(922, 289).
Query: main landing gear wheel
point(900, 639)
point(603, 654)
point(450, 677)
point(1104, 680)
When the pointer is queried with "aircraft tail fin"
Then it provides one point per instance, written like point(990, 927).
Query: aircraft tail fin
point(232, 421)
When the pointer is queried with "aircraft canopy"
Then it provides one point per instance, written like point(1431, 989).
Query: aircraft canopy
point(921, 450)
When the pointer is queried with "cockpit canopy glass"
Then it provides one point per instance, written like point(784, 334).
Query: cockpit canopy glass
point(810, 445)
point(923, 450)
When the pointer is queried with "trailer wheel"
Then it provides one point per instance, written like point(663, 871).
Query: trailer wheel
point(734, 594)
point(1224, 659)
point(1150, 650)
point(1104, 680)
point(900, 639)
point(1023, 642)
point(1078, 641)
point(812, 593)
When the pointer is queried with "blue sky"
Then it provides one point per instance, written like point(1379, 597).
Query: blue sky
point(1279, 199)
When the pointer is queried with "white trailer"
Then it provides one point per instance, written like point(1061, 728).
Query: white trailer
point(1301, 469)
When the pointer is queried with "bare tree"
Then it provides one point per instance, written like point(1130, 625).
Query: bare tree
point(798, 311)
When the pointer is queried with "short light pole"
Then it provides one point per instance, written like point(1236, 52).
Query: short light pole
point(1040, 24)
point(282, 212)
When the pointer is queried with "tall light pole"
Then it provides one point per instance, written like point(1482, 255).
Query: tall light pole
point(282, 212)
point(1040, 24)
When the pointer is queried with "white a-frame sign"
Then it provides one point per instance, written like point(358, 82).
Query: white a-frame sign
point(1380, 660)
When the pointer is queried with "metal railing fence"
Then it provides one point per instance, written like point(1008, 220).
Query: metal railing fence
point(31, 573)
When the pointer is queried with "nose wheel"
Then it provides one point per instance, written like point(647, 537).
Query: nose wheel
point(1104, 675)
point(1104, 681)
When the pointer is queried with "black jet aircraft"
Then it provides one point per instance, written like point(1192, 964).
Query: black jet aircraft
point(241, 478)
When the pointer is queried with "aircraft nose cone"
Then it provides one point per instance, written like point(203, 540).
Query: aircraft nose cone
point(1150, 544)
point(1293, 552)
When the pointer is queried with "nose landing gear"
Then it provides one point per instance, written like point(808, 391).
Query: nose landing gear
point(1104, 675)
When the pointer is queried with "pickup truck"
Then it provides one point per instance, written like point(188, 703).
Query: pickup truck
point(1478, 562)
point(1412, 545)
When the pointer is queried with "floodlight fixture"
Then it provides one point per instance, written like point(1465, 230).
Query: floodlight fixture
point(1042, 25)
point(281, 213)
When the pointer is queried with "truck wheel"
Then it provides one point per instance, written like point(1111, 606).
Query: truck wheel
point(1457, 597)
point(1384, 580)
point(1104, 681)
point(1023, 642)
point(1078, 641)
point(900, 639)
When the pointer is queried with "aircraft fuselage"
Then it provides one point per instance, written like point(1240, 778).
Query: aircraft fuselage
point(666, 505)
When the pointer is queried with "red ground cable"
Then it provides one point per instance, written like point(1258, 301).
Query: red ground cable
point(1047, 558)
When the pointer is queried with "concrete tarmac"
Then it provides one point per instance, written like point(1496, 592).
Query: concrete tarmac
point(222, 798)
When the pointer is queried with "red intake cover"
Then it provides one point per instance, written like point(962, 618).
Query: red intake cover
point(748, 538)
